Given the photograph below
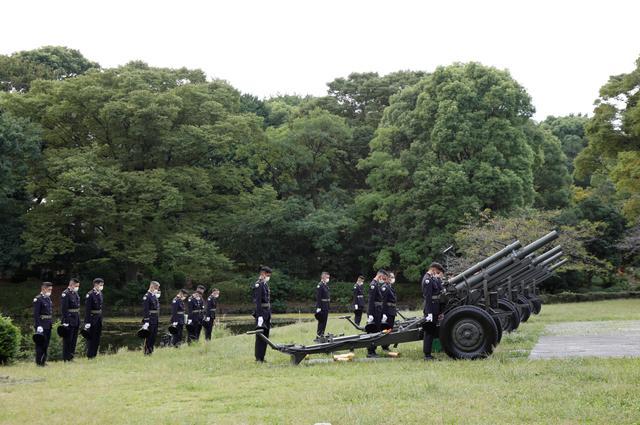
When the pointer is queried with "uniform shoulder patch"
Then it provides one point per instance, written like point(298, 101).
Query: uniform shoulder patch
point(257, 285)
point(174, 301)
point(384, 289)
point(35, 299)
point(144, 298)
point(64, 294)
point(318, 286)
point(373, 286)
point(87, 296)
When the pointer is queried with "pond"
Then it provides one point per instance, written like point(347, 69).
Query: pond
point(118, 332)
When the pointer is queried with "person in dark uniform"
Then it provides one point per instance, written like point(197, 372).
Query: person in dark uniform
point(388, 305)
point(358, 299)
point(150, 315)
point(177, 316)
point(93, 317)
point(195, 306)
point(70, 309)
point(431, 288)
point(374, 308)
point(42, 315)
point(322, 303)
point(210, 313)
point(262, 312)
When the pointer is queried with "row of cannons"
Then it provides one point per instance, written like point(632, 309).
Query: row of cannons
point(493, 296)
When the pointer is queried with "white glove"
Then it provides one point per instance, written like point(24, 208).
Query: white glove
point(39, 329)
point(318, 310)
point(87, 326)
point(189, 321)
point(355, 306)
point(65, 324)
point(429, 317)
point(260, 321)
point(175, 323)
point(206, 319)
point(145, 326)
point(369, 319)
point(384, 318)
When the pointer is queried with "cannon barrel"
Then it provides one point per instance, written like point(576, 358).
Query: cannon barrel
point(540, 258)
point(552, 259)
point(558, 264)
point(502, 264)
point(486, 262)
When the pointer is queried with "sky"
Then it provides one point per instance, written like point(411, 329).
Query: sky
point(561, 51)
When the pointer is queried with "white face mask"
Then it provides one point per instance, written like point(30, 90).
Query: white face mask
point(75, 288)
point(266, 278)
point(158, 294)
point(47, 294)
point(100, 288)
point(392, 280)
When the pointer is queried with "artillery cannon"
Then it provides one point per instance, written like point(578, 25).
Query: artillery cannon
point(476, 304)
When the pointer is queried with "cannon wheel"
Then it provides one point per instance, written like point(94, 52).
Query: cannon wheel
point(499, 328)
point(525, 308)
point(511, 323)
point(536, 303)
point(468, 332)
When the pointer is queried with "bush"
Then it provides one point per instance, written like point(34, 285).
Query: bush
point(9, 340)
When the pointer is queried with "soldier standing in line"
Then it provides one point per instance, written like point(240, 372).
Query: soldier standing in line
point(42, 315)
point(388, 305)
point(374, 308)
point(177, 317)
point(262, 312)
point(322, 303)
point(70, 309)
point(196, 314)
point(358, 299)
point(210, 313)
point(431, 288)
point(150, 315)
point(93, 317)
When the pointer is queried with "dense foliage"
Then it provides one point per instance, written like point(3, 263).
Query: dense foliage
point(137, 172)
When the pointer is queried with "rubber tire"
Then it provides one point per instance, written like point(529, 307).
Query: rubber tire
point(476, 316)
point(525, 308)
point(536, 303)
point(498, 328)
point(514, 320)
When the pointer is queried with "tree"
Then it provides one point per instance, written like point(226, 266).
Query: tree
point(451, 145)
point(19, 149)
point(20, 69)
point(138, 162)
point(570, 130)
point(614, 138)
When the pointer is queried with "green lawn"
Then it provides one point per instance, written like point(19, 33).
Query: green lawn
point(219, 382)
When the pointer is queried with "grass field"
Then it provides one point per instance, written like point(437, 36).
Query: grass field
point(218, 382)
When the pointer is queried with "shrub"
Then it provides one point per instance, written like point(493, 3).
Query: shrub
point(9, 340)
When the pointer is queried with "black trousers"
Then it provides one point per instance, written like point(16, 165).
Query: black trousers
point(69, 343)
point(358, 316)
point(430, 332)
point(176, 339)
point(389, 325)
point(208, 329)
point(261, 346)
point(377, 317)
point(150, 341)
point(322, 322)
point(93, 344)
point(42, 349)
point(194, 333)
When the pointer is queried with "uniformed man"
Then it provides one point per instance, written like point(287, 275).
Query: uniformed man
point(70, 309)
point(93, 306)
point(431, 288)
point(262, 312)
point(42, 315)
point(210, 313)
point(358, 299)
point(388, 304)
point(374, 308)
point(150, 315)
point(322, 303)
point(196, 314)
point(177, 316)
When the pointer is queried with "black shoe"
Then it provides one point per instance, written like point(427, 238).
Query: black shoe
point(372, 355)
point(429, 358)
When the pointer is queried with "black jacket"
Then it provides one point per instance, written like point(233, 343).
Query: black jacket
point(322, 297)
point(177, 311)
point(93, 307)
point(212, 304)
point(150, 309)
point(358, 296)
point(375, 299)
point(431, 288)
point(388, 300)
point(70, 308)
point(196, 310)
point(42, 311)
point(261, 298)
